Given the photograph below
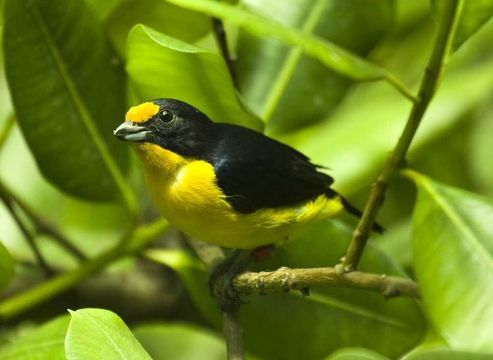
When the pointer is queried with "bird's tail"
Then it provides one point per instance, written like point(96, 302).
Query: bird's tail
point(354, 211)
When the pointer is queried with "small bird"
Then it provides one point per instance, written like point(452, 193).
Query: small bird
point(226, 184)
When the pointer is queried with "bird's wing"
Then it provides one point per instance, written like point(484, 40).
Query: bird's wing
point(263, 173)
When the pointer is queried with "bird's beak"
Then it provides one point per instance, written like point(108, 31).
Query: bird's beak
point(129, 131)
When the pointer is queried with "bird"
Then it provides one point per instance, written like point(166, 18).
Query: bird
point(226, 184)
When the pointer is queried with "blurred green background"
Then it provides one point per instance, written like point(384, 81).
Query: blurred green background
point(346, 125)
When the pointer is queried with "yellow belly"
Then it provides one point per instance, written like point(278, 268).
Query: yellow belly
point(186, 193)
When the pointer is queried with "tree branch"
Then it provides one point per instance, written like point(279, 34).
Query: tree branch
point(233, 333)
point(432, 76)
point(284, 279)
point(42, 226)
point(28, 299)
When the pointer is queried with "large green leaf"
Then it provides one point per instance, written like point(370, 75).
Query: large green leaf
point(95, 334)
point(160, 15)
point(68, 91)
point(6, 267)
point(327, 319)
point(44, 342)
point(180, 342)
point(289, 89)
point(161, 66)
point(452, 254)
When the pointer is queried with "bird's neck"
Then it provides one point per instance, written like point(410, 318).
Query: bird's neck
point(157, 159)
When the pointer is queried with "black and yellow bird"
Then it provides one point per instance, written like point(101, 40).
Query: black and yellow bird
point(226, 184)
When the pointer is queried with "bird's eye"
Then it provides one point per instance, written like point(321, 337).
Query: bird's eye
point(166, 116)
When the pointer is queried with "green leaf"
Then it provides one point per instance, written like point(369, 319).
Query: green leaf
point(100, 334)
point(7, 267)
point(289, 89)
point(355, 354)
point(180, 342)
point(445, 354)
point(160, 15)
point(452, 254)
point(161, 66)
point(473, 16)
point(44, 342)
point(103, 9)
point(331, 55)
point(68, 92)
point(326, 320)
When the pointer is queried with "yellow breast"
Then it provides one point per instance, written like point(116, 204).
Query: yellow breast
point(186, 193)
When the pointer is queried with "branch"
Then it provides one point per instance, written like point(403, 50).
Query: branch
point(233, 333)
point(26, 300)
point(284, 279)
point(29, 237)
point(433, 73)
point(220, 35)
point(42, 225)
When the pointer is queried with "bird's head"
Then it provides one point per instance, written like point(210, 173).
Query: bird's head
point(171, 124)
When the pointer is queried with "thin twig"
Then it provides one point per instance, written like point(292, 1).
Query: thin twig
point(284, 279)
point(220, 35)
point(429, 84)
point(42, 226)
point(29, 237)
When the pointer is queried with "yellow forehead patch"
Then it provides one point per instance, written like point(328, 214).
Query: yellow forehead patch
point(142, 112)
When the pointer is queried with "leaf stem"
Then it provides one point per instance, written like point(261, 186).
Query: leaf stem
point(284, 279)
point(26, 300)
point(42, 225)
point(431, 79)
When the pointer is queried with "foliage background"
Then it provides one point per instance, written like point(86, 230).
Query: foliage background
point(61, 160)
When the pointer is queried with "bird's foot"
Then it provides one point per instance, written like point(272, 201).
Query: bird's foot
point(222, 276)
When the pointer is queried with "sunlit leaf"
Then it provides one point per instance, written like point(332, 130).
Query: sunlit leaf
point(160, 66)
point(443, 353)
point(452, 254)
point(180, 342)
point(44, 342)
point(68, 91)
point(289, 89)
point(160, 15)
point(326, 52)
point(95, 334)
point(327, 319)
point(6, 267)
